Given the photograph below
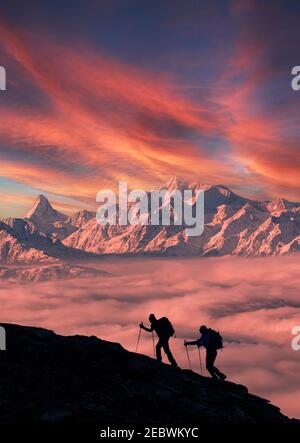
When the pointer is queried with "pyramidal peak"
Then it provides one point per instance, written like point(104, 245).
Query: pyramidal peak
point(42, 208)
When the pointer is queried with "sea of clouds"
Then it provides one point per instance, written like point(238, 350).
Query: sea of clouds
point(254, 303)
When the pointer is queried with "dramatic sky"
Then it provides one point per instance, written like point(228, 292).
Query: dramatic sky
point(105, 90)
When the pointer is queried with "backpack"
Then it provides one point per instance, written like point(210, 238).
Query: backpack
point(165, 326)
point(216, 339)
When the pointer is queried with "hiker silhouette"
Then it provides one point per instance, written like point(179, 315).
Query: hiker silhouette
point(212, 341)
point(164, 330)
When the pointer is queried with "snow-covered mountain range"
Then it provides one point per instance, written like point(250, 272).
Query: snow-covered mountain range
point(45, 272)
point(234, 225)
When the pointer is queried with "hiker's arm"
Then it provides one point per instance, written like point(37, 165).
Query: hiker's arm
point(199, 342)
point(145, 328)
point(191, 342)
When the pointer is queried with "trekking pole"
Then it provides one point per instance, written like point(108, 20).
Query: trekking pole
point(153, 344)
point(200, 360)
point(138, 340)
point(188, 357)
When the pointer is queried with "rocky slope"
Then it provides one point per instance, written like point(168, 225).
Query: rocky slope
point(80, 218)
point(79, 379)
point(21, 241)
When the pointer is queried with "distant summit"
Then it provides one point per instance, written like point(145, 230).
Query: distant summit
point(42, 211)
point(81, 218)
point(48, 220)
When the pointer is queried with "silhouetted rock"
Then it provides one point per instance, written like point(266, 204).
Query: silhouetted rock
point(47, 378)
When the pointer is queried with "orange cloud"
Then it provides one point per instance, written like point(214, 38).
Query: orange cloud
point(105, 121)
point(104, 116)
point(260, 133)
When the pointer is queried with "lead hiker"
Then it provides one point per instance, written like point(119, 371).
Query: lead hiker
point(212, 342)
point(165, 331)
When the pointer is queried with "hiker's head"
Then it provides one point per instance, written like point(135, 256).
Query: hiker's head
point(152, 318)
point(202, 329)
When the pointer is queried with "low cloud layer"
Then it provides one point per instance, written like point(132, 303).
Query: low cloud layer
point(254, 303)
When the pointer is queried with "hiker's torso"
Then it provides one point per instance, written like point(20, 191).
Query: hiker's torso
point(206, 340)
point(159, 328)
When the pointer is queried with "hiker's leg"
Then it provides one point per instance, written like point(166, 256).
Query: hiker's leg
point(218, 372)
point(211, 355)
point(166, 348)
point(158, 347)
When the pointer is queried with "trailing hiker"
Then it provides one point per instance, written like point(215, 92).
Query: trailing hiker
point(212, 342)
point(165, 331)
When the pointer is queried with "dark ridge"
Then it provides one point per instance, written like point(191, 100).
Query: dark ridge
point(48, 378)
